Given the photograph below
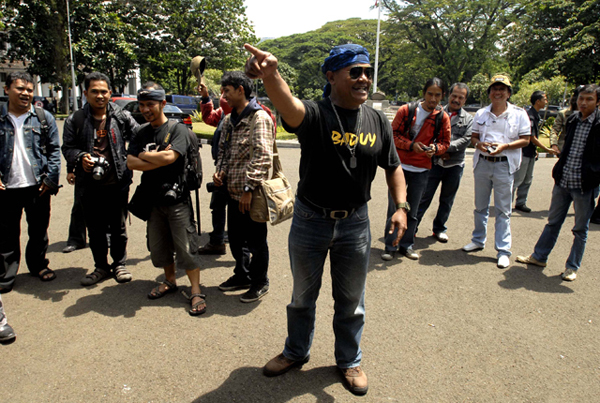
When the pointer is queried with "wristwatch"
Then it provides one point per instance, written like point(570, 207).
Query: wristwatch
point(404, 205)
point(247, 188)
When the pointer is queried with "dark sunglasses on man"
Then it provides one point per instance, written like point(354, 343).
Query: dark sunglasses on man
point(356, 72)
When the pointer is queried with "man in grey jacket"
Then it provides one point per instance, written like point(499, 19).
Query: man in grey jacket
point(447, 169)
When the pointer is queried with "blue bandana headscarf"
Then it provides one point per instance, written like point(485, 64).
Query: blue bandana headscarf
point(342, 56)
point(151, 95)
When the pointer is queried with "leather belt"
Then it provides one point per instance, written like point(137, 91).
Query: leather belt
point(328, 212)
point(493, 159)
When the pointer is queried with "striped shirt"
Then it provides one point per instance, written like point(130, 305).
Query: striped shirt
point(571, 178)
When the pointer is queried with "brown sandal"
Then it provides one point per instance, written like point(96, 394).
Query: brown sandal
point(45, 272)
point(194, 311)
point(156, 293)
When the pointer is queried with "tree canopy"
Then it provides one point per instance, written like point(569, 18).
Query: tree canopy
point(116, 36)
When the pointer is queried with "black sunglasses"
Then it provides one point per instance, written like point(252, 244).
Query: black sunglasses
point(356, 72)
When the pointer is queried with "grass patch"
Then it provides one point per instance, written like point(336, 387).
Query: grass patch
point(206, 132)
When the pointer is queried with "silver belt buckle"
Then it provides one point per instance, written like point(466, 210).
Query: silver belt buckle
point(333, 214)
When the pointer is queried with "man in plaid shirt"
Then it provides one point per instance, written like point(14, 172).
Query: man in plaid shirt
point(576, 176)
point(245, 157)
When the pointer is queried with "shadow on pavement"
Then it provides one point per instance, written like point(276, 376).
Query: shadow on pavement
point(248, 384)
point(533, 279)
point(66, 280)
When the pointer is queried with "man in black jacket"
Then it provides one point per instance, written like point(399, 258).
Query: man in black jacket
point(94, 144)
point(576, 179)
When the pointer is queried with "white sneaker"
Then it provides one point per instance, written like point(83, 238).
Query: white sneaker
point(442, 237)
point(569, 275)
point(411, 254)
point(503, 262)
point(387, 255)
point(471, 247)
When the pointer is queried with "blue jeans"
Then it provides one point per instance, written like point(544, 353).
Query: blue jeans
point(583, 204)
point(415, 186)
point(450, 180)
point(523, 179)
point(348, 242)
point(493, 175)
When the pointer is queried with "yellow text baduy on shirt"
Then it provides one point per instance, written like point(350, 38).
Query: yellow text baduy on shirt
point(351, 139)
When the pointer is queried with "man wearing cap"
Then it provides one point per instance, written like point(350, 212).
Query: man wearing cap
point(576, 179)
point(500, 130)
point(342, 142)
point(158, 149)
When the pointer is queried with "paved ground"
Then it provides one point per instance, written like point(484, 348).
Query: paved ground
point(450, 327)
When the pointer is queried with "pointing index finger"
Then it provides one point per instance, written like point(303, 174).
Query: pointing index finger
point(252, 49)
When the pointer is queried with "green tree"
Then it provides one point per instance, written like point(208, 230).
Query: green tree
point(36, 34)
point(557, 37)
point(554, 89)
point(183, 29)
point(305, 52)
point(453, 39)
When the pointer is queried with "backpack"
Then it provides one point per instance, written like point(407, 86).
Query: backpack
point(192, 168)
point(45, 129)
point(412, 110)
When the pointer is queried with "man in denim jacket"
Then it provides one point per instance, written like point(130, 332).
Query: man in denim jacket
point(29, 172)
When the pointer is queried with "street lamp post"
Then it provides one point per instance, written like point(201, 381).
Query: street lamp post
point(74, 83)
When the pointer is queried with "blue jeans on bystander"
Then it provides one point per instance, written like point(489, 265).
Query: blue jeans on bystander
point(583, 204)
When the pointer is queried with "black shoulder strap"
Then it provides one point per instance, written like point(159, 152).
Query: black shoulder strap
point(170, 126)
point(45, 129)
point(438, 126)
point(412, 109)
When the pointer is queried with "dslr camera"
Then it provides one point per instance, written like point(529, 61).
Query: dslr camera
point(211, 187)
point(172, 192)
point(100, 168)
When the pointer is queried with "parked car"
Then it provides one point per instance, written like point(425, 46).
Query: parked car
point(170, 111)
point(122, 101)
point(550, 111)
point(186, 103)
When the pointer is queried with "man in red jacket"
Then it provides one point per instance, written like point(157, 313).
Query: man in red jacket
point(421, 130)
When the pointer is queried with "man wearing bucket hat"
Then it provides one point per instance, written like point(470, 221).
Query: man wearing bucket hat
point(343, 142)
point(500, 130)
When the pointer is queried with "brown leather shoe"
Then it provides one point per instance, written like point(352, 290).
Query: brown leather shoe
point(281, 364)
point(356, 380)
point(210, 249)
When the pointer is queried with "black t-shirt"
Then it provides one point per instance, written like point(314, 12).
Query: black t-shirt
point(530, 149)
point(160, 179)
point(326, 178)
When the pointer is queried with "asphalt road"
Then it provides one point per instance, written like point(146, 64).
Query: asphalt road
point(450, 327)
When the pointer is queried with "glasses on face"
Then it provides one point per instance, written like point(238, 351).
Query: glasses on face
point(357, 72)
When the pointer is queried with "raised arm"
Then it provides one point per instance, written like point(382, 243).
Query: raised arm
point(263, 65)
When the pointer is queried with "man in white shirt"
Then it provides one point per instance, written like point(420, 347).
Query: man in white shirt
point(29, 171)
point(500, 130)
